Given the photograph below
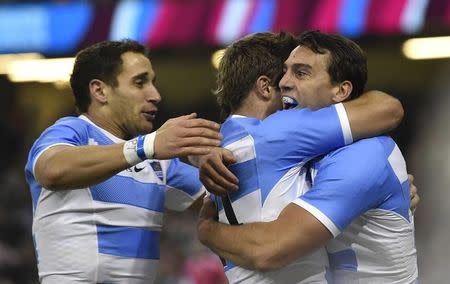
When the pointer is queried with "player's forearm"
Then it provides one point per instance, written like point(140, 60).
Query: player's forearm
point(253, 246)
point(373, 113)
point(76, 167)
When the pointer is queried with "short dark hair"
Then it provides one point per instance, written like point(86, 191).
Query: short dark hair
point(347, 60)
point(100, 61)
point(245, 60)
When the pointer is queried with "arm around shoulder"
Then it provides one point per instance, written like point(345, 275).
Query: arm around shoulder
point(264, 246)
point(373, 113)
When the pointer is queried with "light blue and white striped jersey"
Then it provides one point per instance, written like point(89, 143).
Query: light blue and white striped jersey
point(361, 194)
point(270, 157)
point(108, 232)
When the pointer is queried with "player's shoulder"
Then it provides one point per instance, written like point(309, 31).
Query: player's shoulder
point(73, 121)
point(237, 127)
point(370, 154)
point(380, 146)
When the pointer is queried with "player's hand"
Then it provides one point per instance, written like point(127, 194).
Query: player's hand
point(215, 175)
point(415, 198)
point(206, 220)
point(186, 135)
point(208, 210)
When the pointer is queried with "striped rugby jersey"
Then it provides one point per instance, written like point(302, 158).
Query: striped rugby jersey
point(361, 194)
point(108, 232)
point(271, 155)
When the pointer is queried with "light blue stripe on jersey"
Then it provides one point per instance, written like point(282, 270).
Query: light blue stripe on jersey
point(247, 181)
point(280, 142)
point(128, 242)
point(343, 260)
point(183, 176)
point(398, 202)
point(347, 185)
point(125, 190)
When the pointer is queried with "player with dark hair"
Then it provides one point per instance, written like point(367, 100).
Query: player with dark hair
point(359, 197)
point(100, 181)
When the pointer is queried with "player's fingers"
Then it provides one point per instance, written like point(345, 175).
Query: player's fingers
point(208, 210)
point(179, 119)
point(410, 178)
point(193, 150)
point(198, 142)
point(224, 177)
point(415, 201)
point(211, 186)
point(228, 157)
point(413, 191)
point(200, 122)
point(201, 132)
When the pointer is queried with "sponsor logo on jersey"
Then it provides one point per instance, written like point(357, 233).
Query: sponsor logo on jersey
point(156, 166)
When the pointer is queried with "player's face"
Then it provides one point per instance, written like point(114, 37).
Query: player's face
point(133, 101)
point(306, 79)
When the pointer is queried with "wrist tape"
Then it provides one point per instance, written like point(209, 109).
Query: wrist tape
point(140, 148)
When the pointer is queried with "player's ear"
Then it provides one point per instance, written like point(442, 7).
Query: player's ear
point(342, 91)
point(263, 87)
point(97, 89)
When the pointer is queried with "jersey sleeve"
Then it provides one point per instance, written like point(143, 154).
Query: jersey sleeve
point(304, 133)
point(183, 185)
point(68, 131)
point(347, 185)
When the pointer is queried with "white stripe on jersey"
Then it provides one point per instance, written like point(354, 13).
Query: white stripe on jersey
point(117, 214)
point(380, 257)
point(243, 149)
point(347, 131)
point(143, 270)
point(398, 164)
point(247, 209)
point(178, 200)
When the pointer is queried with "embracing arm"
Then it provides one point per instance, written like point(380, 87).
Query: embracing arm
point(68, 167)
point(263, 246)
point(373, 113)
point(214, 174)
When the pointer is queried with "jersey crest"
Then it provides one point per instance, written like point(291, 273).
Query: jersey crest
point(156, 166)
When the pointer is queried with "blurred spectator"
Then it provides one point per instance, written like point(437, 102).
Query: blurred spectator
point(17, 260)
point(183, 259)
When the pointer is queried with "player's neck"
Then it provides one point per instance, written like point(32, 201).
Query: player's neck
point(253, 108)
point(104, 122)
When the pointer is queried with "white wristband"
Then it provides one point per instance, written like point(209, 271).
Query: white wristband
point(149, 145)
point(139, 149)
point(129, 152)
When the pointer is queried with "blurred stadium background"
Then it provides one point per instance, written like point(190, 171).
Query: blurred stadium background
point(183, 35)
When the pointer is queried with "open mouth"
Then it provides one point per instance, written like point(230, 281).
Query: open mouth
point(149, 115)
point(289, 102)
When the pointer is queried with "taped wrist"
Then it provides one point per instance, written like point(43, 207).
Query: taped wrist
point(139, 149)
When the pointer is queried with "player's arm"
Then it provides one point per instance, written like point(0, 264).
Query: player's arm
point(263, 246)
point(372, 114)
point(214, 173)
point(344, 179)
point(67, 167)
